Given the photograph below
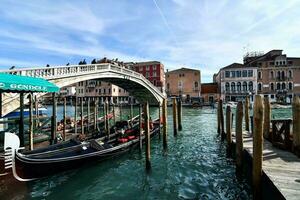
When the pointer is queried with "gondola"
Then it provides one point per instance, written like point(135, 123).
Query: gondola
point(30, 165)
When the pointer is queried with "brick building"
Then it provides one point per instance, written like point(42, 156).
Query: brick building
point(209, 93)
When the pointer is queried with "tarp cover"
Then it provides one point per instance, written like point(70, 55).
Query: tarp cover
point(16, 83)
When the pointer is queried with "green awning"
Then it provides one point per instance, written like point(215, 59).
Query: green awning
point(16, 83)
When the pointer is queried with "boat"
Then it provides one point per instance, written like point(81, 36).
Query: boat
point(42, 111)
point(31, 165)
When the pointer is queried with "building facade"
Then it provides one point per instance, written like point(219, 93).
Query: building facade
point(153, 71)
point(98, 88)
point(278, 75)
point(184, 83)
point(209, 93)
point(236, 81)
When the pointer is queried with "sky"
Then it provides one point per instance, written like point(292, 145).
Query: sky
point(199, 34)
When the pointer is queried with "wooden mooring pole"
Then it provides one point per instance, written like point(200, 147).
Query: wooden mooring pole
point(218, 118)
point(258, 114)
point(239, 139)
point(223, 135)
point(36, 105)
point(65, 118)
point(140, 127)
point(107, 129)
point(296, 125)
point(228, 129)
point(164, 117)
point(267, 117)
point(53, 121)
point(179, 106)
point(159, 120)
point(88, 113)
point(30, 121)
point(75, 115)
point(114, 113)
point(247, 117)
point(21, 120)
point(95, 113)
point(147, 135)
point(175, 118)
point(81, 116)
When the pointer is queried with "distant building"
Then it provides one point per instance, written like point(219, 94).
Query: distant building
point(152, 70)
point(184, 83)
point(98, 88)
point(278, 76)
point(68, 91)
point(209, 93)
point(236, 81)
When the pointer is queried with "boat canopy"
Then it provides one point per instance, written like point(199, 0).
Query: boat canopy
point(17, 84)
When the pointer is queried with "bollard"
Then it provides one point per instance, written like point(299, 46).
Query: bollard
point(296, 125)
point(179, 107)
point(147, 135)
point(258, 115)
point(267, 117)
point(164, 116)
point(239, 139)
point(228, 129)
point(247, 104)
point(175, 118)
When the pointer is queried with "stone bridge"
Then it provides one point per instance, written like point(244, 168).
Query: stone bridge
point(135, 83)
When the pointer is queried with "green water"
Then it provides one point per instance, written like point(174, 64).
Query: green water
point(193, 167)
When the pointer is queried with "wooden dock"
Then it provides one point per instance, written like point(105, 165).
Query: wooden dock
point(281, 167)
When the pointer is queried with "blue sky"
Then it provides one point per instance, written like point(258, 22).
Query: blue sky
point(202, 34)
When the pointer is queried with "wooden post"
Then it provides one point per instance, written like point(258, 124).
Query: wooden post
point(239, 139)
point(164, 116)
point(53, 121)
point(65, 119)
point(147, 135)
point(95, 113)
point(159, 122)
point(30, 122)
point(75, 116)
point(81, 116)
point(141, 127)
point(0, 104)
point(120, 108)
point(131, 108)
point(179, 106)
point(296, 125)
point(247, 117)
point(222, 121)
point(228, 129)
point(21, 120)
point(107, 131)
point(114, 113)
point(258, 114)
point(88, 113)
point(175, 118)
point(267, 117)
point(37, 116)
point(218, 118)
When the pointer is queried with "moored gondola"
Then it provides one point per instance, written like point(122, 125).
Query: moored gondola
point(29, 165)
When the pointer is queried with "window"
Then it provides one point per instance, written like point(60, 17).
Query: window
point(278, 86)
point(250, 73)
point(259, 75)
point(272, 96)
point(227, 74)
point(259, 87)
point(283, 86)
point(227, 86)
point(232, 74)
point(141, 68)
point(109, 91)
point(239, 86)
point(114, 89)
point(272, 86)
point(244, 86)
point(147, 68)
point(271, 74)
point(104, 90)
point(282, 75)
point(154, 82)
point(196, 85)
point(278, 74)
point(232, 86)
point(272, 63)
point(251, 86)
point(238, 74)
point(147, 74)
point(244, 73)
point(290, 62)
point(290, 86)
point(99, 91)
point(154, 74)
point(290, 74)
point(168, 86)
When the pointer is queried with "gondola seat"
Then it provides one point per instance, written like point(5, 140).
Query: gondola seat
point(122, 140)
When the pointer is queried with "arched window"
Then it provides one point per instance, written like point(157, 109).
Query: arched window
point(250, 86)
point(196, 84)
point(239, 86)
point(272, 86)
point(272, 74)
point(290, 86)
point(244, 86)
point(278, 74)
point(290, 74)
point(168, 86)
point(259, 75)
point(278, 86)
point(282, 75)
point(227, 86)
point(232, 86)
point(259, 87)
point(283, 86)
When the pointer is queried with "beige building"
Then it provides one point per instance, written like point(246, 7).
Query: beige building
point(278, 76)
point(184, 83)
point(97, 88)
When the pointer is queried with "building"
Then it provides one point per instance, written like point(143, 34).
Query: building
point(184, 83)
point(236, 81)
point(278, 75)
point(98, 88)
point(68, 91)
point(209, 93)
point(153, 71)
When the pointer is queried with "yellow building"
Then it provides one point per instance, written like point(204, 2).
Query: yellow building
point(184, 83)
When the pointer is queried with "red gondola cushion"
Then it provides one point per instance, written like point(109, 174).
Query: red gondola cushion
point(131, 137)
point(123, 140)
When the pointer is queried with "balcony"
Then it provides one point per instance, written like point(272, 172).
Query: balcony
point(239, 92)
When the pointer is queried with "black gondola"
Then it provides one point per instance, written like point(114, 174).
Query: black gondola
point(29, 165)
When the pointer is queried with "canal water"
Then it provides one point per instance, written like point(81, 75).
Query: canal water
point(194, 167)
